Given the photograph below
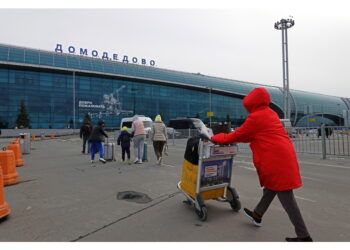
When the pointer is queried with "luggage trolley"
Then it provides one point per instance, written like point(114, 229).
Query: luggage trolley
point(210, 178)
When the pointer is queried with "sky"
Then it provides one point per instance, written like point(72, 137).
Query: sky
point(221, 39)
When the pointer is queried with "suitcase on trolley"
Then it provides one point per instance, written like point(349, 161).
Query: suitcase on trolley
point(109, 151)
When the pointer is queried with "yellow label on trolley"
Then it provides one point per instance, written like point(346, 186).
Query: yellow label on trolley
point(189, 178)
point(189, 181)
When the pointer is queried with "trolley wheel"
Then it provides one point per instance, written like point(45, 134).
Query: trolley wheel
point(202, 214)
point(232, 197)
point(235, 205)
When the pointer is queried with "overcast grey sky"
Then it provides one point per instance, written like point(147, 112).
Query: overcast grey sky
point(235, 43)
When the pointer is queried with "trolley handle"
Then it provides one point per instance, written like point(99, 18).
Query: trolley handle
point(204, 137)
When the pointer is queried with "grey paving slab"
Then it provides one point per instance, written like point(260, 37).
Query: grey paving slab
point(63, 197)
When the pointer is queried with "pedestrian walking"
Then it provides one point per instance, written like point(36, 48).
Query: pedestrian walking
point(124, 140)
point(274, 158)
point(85, 132)
point(139, 135)
point(96, 138)
point(159, 137)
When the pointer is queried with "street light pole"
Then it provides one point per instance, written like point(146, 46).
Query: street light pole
point(73, 99)
point(283, 25)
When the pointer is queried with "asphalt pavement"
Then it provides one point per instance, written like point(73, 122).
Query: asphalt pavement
point(62, 197)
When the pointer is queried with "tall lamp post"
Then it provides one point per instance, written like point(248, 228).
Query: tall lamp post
point(283, 25)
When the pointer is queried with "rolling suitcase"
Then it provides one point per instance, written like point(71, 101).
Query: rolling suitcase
point(109, 151)
point(144, 157)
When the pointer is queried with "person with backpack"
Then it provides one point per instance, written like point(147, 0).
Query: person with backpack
point(124, 140)
point(274, 158)
point(96, 138)
point(85, 132)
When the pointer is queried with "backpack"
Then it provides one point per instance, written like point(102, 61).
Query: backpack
point(191, 152)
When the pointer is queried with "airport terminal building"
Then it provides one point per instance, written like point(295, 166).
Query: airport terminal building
point(59, 89)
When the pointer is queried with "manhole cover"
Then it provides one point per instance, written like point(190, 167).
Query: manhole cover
point(133, 196)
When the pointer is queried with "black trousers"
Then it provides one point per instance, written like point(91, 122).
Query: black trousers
point(158, 148)
point(85, 139)
point(127, 151)
point(289, 204)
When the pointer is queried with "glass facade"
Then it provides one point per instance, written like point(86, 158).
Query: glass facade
point(49, 99)
point(49, 83)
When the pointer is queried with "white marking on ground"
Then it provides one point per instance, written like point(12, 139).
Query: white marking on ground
point(166, 165)
point(248, 168)
point(325, 165)
point(305, 199)
point(253, 169)
point(304, 162)
point(310, 178)
point(244, 162)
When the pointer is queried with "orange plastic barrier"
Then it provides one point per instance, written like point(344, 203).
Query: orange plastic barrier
point(52, 137)
point(4, 207)
point(15, 141)
point(33, 138)
point(7, 161)
point(16, 148)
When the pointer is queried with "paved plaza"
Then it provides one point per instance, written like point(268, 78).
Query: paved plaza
point(63, 197)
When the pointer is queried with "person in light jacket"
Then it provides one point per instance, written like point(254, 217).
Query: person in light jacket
point(274, 158)
point(159, 137)
point(139, 135)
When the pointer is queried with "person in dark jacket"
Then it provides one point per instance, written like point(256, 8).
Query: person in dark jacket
point(96, 138)
point(124, 141)
point(85, 132)
point(274, 158)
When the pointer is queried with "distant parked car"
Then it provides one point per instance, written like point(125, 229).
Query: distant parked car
point(172, 131)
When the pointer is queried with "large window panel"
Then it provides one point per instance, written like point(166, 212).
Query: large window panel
point(16, 55)
point(60, 60)
point(4, 76)
point(96, 65)
point(83, 82)
point(46, 58)
point(85, 64)
point(4, 51)
point(73, 62)
point(32, 56)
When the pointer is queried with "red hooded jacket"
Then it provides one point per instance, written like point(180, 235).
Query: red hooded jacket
point(273, 152)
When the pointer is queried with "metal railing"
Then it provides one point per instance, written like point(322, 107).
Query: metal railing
point(324, 140)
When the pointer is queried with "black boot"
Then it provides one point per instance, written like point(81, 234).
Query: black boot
point(306, 239)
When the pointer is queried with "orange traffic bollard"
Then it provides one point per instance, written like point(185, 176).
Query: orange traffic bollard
point(33, 138)
point(52, 136)
point(16, 148)
point(7, 161)
point(4, 207)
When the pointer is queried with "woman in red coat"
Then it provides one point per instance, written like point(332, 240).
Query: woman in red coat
point(274, 159)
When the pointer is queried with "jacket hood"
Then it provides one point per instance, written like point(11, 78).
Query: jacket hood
point(258, 97)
